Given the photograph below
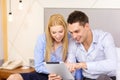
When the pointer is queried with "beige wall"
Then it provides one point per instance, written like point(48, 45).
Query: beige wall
point(28, 23)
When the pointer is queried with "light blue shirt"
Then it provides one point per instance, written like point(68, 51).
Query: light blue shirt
point(100, 57)
point(39, 55)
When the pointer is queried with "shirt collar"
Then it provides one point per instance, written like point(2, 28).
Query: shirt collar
point(95, 38)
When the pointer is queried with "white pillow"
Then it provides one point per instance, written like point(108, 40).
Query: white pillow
point(118, 63)
point(118, 54)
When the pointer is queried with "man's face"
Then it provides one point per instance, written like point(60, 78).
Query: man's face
point(78, 32)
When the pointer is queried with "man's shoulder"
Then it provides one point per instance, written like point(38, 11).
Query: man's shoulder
point(71, 41)
point(101, 36)
point(100, 33)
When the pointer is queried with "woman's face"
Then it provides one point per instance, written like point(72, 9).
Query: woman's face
point(57, 33)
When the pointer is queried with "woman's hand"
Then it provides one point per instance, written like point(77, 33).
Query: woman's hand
point(54, 77)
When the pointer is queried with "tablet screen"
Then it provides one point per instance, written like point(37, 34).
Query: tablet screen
point(59, 69)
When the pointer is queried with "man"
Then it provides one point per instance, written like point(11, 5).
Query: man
point(93, 49)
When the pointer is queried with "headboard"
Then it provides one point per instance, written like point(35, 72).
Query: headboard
point(100, 18)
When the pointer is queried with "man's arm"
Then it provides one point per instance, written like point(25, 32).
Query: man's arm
point(108, 64)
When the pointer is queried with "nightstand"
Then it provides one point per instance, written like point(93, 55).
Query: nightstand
point(5, 73)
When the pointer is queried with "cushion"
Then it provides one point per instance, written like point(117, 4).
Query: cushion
point(118, 54)
point(118, 63)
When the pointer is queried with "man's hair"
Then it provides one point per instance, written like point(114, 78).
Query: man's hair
point(78, 16)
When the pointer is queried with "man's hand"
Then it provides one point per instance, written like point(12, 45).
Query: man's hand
point(73, 66)
point(54, 77)
point(81, 65)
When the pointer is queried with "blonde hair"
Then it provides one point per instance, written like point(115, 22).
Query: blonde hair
point(54, 20)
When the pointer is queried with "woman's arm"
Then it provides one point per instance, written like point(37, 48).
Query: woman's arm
point(39, 53)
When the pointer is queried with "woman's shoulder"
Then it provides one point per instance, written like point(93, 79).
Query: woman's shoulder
point(42, 37)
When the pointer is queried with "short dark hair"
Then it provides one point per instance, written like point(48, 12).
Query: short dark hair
point(78, 16)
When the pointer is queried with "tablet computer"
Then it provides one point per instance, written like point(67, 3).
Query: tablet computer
point(59, 68)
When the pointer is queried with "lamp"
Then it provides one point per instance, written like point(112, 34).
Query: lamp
point(20, 5)
point(10, 18)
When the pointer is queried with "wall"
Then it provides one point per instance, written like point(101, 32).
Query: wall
point(28, 23)
point(101, 18)
point(1, 45)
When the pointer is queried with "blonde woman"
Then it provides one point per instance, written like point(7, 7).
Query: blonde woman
point(52, 46)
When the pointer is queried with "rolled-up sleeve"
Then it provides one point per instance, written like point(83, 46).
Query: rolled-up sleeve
point(109, 63)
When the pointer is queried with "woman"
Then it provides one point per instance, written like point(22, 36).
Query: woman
point(51, 47)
